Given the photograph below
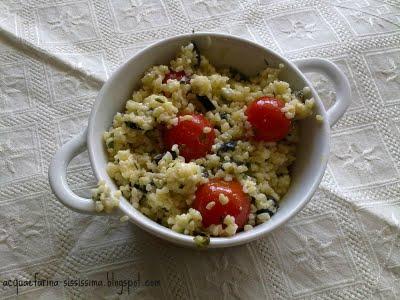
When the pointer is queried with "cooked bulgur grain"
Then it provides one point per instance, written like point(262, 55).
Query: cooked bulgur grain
point(103, 198)
point(161, 184)
point(210, 205)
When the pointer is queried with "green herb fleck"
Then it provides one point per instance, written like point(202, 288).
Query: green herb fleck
point(208, 105)
point(110, 145)
point(224, 115)
point(132, 125)
point(159, 156)
point(276, 203)
point(197, 54)
point(174, 155)
point(265, 210)
point(237, 74)
point(299, 95)
point(201, 241)
point(139, 187)
point(228, 146)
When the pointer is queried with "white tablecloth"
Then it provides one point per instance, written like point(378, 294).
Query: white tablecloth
point(55, 55)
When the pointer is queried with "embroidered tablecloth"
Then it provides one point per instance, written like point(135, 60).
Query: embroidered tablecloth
point(54, 57)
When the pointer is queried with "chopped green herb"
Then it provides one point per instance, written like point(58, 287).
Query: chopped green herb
point(141, 188)
point(110, 145)
point(245, 176)
point(237, 74)
point(228, 146)
point(197, 53)
point(174, 155)
point(265, 210)
point(159, 156)
point(276, 203)
point(132, 125)
point(223, 97)
point(208, 105)
point(159, 100)
point(201, 241)
point(299, 95)
point(224, 115)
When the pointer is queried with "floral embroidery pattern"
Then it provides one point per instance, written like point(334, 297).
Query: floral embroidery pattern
point(14, 233)
point(358, 158)
point(70, 83)
point(314, 253)
point(70, 126)
point(140, 11)
point(375, 16)
point(371, 20)
point(67, 22)
point(392, 73)
point(229, 282)
point(388, 234)
point(6, 159)
point(300, 30)
point(9, 87)
point(211, 4)
point(200, 9)
point(103, 227)
point(9, 154)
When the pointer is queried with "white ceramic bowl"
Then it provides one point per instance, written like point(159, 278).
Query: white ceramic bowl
point(249, 58)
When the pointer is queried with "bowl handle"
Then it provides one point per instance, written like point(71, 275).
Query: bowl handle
point(58, 175)
point(339, 80)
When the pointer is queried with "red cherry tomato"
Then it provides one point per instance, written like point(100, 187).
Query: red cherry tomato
point(180, 76)
point(268, 122)
point(189, 136)
point(238, 205)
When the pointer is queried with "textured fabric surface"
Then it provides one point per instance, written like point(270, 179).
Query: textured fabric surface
point(54, 57)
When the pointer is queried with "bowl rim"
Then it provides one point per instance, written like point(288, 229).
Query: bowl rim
point(186, 240)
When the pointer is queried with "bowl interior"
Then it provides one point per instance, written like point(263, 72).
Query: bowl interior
point(221, 50)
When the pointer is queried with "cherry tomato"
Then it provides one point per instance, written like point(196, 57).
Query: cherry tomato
point(268, 122)
point(238, 205)
point(189, 136)
point(180, 76)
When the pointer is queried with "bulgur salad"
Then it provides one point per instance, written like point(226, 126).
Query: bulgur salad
point(204, 151)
